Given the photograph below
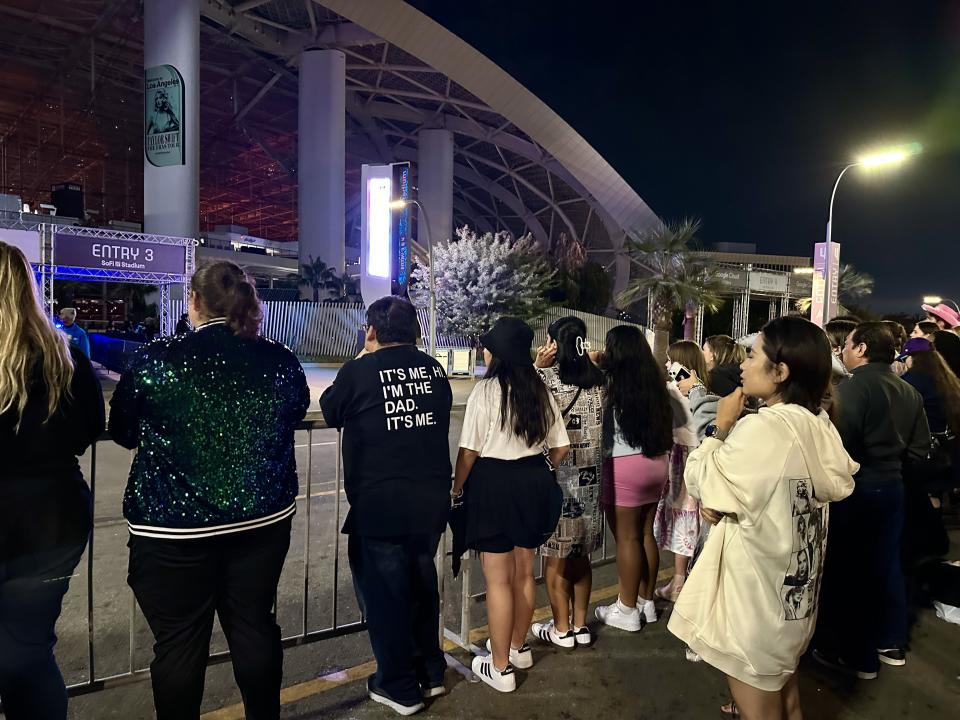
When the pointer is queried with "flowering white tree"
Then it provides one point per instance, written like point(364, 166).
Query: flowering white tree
point(482, 277)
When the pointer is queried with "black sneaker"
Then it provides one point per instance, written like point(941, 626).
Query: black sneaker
point(892, 656)
point(835, 662)
point(379, 696)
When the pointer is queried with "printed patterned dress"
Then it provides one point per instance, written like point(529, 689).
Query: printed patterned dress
point(676, 526)
point(580, 530)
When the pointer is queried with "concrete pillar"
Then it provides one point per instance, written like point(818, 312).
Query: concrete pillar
point(435, 182)
point(322, 152)
point(171, 164)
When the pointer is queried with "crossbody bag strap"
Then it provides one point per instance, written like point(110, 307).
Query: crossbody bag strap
point(573, 402)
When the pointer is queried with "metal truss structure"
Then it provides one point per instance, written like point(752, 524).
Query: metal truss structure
point(49, 270)
point(71, 109)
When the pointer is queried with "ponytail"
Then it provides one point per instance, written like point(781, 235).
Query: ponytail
point(225, 291)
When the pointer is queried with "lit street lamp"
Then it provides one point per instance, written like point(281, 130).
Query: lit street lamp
point(886, 158)
point(432, 332)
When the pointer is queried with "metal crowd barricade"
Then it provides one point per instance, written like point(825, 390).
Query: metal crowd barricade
point(468, 598)
point(94, 683)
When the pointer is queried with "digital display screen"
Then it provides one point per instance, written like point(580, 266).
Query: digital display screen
point(378, 237)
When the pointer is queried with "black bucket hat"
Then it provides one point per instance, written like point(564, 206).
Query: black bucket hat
point(509, 340)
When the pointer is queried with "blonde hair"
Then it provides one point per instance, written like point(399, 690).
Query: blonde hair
point(726, 350)
point(689, 354)
point(28, 337)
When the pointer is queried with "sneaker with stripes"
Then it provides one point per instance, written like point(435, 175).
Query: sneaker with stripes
point(582, 635)
point(521, 657)
point(548, 633)
point(501, 680)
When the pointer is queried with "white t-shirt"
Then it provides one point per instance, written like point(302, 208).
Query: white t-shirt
point(482, 432)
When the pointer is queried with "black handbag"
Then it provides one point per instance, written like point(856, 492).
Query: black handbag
point(943, 445)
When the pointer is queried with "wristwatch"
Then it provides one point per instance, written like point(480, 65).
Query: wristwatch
point(716, 433)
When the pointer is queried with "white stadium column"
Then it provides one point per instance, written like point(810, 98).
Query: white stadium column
point(171, 163)
point(435, 181)
point(322, 157)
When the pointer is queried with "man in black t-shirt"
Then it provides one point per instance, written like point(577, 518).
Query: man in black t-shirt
point(393, 408)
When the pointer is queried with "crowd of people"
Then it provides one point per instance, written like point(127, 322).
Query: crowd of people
point(793, 475)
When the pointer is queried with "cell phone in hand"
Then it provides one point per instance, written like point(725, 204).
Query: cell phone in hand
point(678, 372)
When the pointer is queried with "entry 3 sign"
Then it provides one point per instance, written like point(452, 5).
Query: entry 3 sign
point(112, 254)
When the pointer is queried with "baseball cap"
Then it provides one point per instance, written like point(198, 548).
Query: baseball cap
point(914, 345)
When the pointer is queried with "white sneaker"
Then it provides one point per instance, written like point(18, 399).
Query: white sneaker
point(582, 635)
point(504, 681)
point(521, 657)
point(692, 656)
point(648, 609)
point(619, 616)
point(548, 633)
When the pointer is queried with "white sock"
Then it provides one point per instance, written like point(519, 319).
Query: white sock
point(643, 601)
point(623, 608)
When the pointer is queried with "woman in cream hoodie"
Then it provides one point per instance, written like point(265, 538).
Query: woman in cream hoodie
point(750, 604)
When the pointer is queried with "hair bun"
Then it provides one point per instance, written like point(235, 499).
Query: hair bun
point(226, 291)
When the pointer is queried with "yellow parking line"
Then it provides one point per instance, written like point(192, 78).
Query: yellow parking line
point(303, 690)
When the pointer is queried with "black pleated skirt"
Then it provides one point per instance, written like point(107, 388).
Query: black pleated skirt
point(510, 503)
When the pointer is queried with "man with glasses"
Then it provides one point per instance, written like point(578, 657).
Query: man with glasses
point(393, 407)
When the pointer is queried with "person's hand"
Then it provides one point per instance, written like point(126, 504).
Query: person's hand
point(595, 356)
point(687, 384)
point(729, 409)
point(711, 516)
point(546, 354)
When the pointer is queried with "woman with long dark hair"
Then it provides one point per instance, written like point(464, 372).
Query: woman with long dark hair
point(947, 344)
point(750, 603)
point(212, 491)
point(576, 383)
point(928, 372)
point(51, 411)
point(638, 434)
point(511, 497)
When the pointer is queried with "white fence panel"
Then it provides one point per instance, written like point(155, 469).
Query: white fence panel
point(326, 330)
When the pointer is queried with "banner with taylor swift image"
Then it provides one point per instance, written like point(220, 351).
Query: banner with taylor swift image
point(163, 97)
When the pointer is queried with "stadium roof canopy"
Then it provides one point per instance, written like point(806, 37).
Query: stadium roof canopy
point(71, 99)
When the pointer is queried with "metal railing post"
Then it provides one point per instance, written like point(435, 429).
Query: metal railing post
point(91, 669)
point(439, 562)
point(465, 603)
point(336, 527)
point(306, 542)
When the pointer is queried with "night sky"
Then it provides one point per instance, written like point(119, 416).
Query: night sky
point(742, 114)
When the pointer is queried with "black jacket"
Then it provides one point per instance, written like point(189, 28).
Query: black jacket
point(394, 408)
point(881, 420)
point(44, 501)
point(212, 416)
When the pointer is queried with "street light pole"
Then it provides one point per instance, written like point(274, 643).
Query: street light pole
point(832, 196)
point(828, 264)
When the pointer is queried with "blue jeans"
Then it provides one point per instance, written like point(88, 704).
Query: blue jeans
point(396, 584)
point(32, 587)
point(863, 602)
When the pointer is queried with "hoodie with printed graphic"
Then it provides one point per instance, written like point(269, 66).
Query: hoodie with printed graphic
point(749, 606)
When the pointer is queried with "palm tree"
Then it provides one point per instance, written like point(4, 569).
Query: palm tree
point(851, 285)
point(319, 276)
point(672, 275)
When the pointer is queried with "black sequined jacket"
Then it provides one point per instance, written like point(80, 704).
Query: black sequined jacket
point(212, 418)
